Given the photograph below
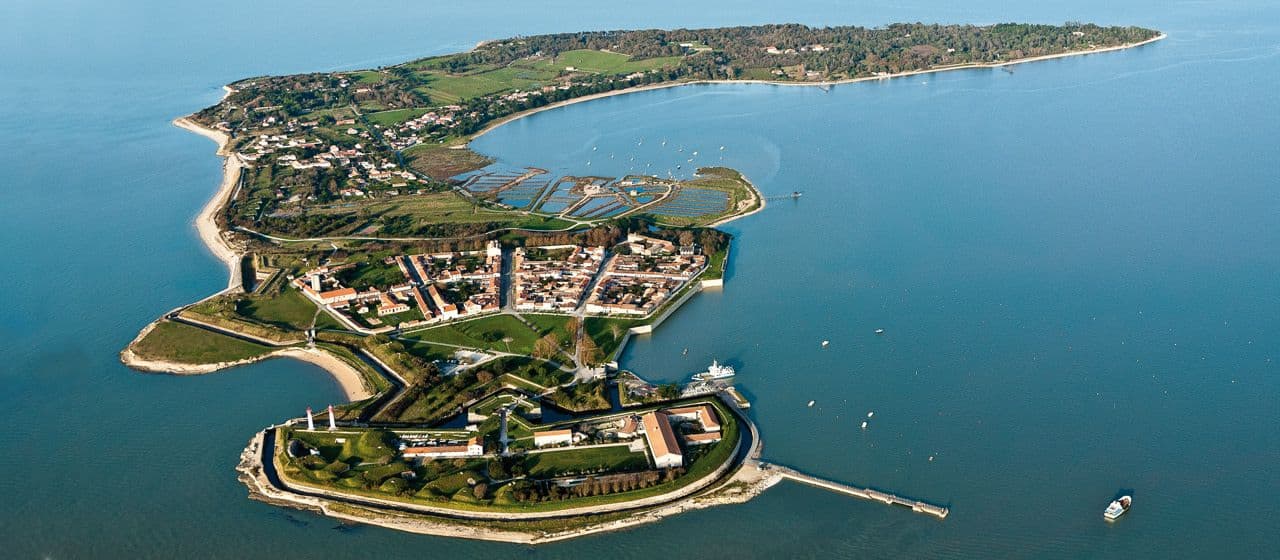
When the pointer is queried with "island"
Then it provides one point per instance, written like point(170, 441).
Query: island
point(473, 310)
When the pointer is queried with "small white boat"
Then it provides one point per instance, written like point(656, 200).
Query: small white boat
point(870, 414)
point(879, 331)
point(825, 343)
point(1117, 508)
point(810, 404)
point(716, 371)
point(864, 424)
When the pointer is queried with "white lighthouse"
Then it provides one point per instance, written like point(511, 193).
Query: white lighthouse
point(332, 425)
point(311, 423)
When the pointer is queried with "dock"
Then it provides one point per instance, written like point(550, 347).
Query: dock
point(864, 493)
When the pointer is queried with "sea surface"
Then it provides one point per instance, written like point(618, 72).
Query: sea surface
point(1075, 265)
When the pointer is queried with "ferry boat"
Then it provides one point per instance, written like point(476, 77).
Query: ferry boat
point(1117, 508)
point(716, 371)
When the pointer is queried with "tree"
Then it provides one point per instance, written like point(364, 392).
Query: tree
point(479, 490)
point(589, 353)
point(546, 347)
point(669, 391)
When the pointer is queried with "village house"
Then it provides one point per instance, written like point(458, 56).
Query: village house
point(388, 307)
point(554, 284)
point(472, 448)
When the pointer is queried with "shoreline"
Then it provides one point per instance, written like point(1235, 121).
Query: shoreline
point(348, 378)
point(206, 221)
point(755, 191)
point(973, 66)
point(749, 478)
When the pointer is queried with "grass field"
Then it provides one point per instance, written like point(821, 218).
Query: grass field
point(426, 350)
point(600, 329)
point(288, 309)
point(371, 274)
point(599, 62)
point(177, 342)
point(394, 117)
point(616, 458)
point(485, 332)
point(444, 88)
point(368, 77)
point(550, 324)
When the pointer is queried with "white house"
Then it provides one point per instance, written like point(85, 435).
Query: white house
point(552, 437)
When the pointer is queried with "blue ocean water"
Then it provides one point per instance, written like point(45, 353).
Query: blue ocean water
point(1074, 265)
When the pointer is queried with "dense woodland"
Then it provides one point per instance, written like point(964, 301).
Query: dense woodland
point(849, 50)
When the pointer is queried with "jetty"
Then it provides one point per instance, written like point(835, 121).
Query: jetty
point(864, 493)
point(793, 195)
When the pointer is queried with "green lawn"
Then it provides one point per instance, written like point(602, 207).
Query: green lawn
point(178, 342)
point(427, 351)
point(449, 485)
point(601, 62)
point(394, 117)
point(555, 463)
point(601, 331)
point(486, 332)
point(368, 77)
point(550, 324)
point(287, 309)
point(444, 88)
point(371, 274)
point(531, 369)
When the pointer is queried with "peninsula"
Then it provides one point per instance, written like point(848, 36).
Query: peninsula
point(473, 310)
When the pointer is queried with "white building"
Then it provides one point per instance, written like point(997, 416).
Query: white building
point(552, 437)
point(473, 448)
point(662, 441)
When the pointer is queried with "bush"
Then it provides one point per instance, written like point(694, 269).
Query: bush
point(374, 444)
point(394, 485)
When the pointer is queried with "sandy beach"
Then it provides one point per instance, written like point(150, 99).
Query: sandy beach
point(206, 222)
point(585, 98)
point(348, 377)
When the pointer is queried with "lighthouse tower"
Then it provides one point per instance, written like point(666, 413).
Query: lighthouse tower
point(311, 423)
point(332, 425)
